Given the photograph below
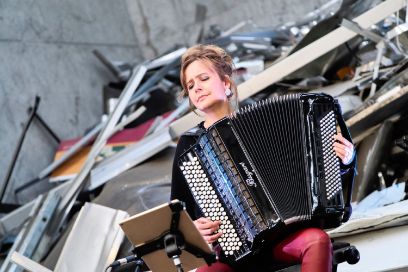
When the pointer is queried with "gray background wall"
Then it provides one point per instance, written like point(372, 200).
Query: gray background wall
point(46, 50)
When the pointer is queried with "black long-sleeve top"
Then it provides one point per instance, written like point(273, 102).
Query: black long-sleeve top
point(179, 187)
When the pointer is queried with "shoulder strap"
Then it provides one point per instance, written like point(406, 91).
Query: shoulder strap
point(348, 177)
point(194, 132)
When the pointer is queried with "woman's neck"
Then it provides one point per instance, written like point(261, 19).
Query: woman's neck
point(215, 114)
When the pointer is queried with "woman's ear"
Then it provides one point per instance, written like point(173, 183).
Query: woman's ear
point(227, 82)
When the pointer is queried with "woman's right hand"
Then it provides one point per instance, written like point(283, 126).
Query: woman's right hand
point(207, 228)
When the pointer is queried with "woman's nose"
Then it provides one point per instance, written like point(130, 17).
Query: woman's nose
point(197, 87)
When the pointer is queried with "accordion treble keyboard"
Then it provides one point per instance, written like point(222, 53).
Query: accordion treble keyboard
point(241, 211)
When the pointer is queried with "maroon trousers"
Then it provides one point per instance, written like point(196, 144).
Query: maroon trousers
point(310, 247)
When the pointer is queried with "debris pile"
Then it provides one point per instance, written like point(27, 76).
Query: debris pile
point(355, 51)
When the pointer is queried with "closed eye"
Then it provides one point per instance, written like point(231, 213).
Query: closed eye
point(201, 77)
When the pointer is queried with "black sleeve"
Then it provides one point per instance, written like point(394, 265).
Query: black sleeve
point(179, 187)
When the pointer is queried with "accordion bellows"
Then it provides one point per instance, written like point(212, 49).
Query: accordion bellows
point(267, 165)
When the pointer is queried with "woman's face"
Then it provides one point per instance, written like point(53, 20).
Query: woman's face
point(205, 88)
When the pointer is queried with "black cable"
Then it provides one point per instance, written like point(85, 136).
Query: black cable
point(180, 268)
point(126, 260)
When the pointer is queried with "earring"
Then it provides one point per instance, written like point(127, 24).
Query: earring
point(228, 93)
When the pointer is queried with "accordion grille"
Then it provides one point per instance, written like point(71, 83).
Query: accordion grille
point(276, 145)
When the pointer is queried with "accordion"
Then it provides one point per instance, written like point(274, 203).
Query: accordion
point(266, 166)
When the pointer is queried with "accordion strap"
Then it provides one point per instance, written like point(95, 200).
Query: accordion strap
point(195, 131)
point(348, 176)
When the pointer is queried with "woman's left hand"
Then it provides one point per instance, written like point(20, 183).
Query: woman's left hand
point(343, 148)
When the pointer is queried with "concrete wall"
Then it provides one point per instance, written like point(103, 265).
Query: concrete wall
point(168, 22)
point(46, 50)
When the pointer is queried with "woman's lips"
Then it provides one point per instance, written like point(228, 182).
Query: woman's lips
point(201, 98)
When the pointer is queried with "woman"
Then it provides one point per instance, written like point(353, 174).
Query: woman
point(206, 77)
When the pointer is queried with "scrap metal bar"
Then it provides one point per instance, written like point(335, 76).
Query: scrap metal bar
point(47, 128)
point(154, 125)
point(316, 49)
point(7, 265)
point(183, 108)
point(27, 263)
point(129, 157)
point(30, 236)
point(129, 119)
point(87, 139)
point(299, 59)
point(381, 102)
point(72, 151)
point(39, 225)
point(361, 31)
point(396, 31)
point(110, 65)
point(172, 60)
point(153, 80)
point(36, 230)
point(18, 219)
point(380, 41)
point(18, 148)
point(137, 153)
point(15, 220)
point(380, 52)
point(166, 59)
point(79, 181)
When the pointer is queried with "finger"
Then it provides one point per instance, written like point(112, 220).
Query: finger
point(348, 149)
point(202, 220)
point(340, 145)
point(341, 153)
point(204, 223)
point(343, 140)
point(339, 137)
point(212, 238)
point(199, 224)
point(215, 227)
point(207, 230)
point(212, 225)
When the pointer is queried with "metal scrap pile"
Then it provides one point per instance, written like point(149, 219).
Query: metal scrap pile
point(352, 50)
